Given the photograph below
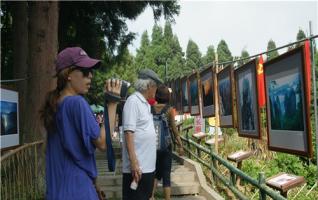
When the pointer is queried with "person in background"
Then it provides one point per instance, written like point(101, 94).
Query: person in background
point(99, 118)
point(164, 158)
point(139, 141)
point(73, 133)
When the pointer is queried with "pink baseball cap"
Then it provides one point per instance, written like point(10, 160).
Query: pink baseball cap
point(74, 56)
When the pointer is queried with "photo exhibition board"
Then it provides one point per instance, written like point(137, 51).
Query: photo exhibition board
point(288, 120)
point(185, 94)
point(225, 96)
point(9, 108)
point(178, 98)
point(207, 94)
point(247, 100)
point(194, 94)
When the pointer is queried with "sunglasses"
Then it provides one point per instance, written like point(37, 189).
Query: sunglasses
point(85, 71)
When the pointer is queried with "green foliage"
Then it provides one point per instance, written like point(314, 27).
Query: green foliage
point(123, 70)
point(300, 35)
point(244, 54)
point(193, 57)
point(209, 56)
point(224, 54)
point(99, 26)
point(162, 52)
point(281, 163)
point(271, 45)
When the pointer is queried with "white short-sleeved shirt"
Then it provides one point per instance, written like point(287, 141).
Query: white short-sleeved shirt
point(138, 119)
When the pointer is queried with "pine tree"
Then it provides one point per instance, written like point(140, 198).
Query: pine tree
point(271, 45)
point(244, 54)
point(300, 35)
point(224, 54)
point(209, 56)
point(193, 57)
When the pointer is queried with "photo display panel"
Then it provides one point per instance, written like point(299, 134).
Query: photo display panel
point(247, 100)
point(9, 109)
point(207, 94)
point(288, 120)
point(194, 94)
point(185, 94)
point(225, 96)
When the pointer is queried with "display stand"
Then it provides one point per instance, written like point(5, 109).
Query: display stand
point(199, 137)
point(238, 157)
point(284, 182)
point(211, 141)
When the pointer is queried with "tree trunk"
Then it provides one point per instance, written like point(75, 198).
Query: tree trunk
point(43, 43)
point(20, 54)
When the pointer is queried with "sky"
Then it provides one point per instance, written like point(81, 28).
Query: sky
point(245, 25)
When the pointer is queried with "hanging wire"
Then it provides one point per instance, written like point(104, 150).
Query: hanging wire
point(27, 77)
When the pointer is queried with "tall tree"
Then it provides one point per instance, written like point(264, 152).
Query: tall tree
point(142, 57)
point(173, 51)
point(271, 45)
point(176, 62)
point(244, 54)
point(158, 51)
point(193, 57)
point(224, 54)
point(300, 35)
point(209, 56)
point(43, 23)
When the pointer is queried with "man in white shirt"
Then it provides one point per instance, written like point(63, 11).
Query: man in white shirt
point(139, 141)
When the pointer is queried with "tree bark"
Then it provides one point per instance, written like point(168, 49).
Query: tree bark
point(43, 43)
point(20, 53)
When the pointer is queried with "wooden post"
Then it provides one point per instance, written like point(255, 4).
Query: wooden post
point(216, 106)
point(261, 180)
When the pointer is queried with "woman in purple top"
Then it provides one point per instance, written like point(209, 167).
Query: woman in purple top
point(73, 132)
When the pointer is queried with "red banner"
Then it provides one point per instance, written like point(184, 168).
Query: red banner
point(307, 69)
point(260, 82)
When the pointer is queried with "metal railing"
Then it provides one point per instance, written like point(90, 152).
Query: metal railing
point(234, 173)
point(22, 172)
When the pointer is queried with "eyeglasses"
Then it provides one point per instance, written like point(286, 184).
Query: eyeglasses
point(85, 71)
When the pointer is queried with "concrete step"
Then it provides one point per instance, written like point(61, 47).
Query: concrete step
point(179, 168)
point(110, 180)
point(182, 188)
point(183, 177)
point(114, 192)
point(187, 197)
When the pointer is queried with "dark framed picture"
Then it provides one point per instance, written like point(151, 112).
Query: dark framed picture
point(9, 109)
point(225, 96)
point(207, 92)
point(287, 103)
point(185, 94)
point(178, 96)
point(194, 94)
point(246, 100)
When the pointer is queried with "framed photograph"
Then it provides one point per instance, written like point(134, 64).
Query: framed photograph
point(225, 96)
point(185, 94)
point(9, 109)
point(178, 96)
point(194, 94)
point(207, 92)
point(287, 103)
point(247, 101)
